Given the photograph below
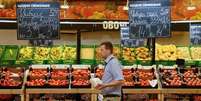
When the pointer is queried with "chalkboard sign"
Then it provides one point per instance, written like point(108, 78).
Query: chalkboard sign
point(149, 18)
point(38, 20)
point(127, 42)
point(195, 34)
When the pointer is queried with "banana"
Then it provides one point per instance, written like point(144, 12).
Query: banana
point(56, 53)
point(183, 53)
point(166, 52)
point(41, 53)
point(26, 53)
point(69, 53)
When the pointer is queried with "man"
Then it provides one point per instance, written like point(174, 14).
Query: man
point(112, 77)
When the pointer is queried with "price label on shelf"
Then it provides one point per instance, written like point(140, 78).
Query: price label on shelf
point(38, 20)
point(195, 34)
point(113, 25)
point(149, 18)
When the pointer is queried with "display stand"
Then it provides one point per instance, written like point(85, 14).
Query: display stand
point(93, 92)
point(14, 91)
point(21, 91)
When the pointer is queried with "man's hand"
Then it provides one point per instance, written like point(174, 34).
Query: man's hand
point(100, 86)
point(111, 84)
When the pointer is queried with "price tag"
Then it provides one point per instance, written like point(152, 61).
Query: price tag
point(153, 83)
point(113, 25)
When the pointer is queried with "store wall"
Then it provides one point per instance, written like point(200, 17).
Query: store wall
point(10, 37)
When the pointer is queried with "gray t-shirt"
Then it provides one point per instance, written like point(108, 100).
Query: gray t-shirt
point(113, 71)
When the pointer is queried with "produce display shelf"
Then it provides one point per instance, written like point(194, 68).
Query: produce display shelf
point(14, 91)
point(62, 90)
point(71, 21)
point(86, 21)
point(141, 91)
point(93, 92)
point(11, 91)
point(181, 91)
point(186, 21)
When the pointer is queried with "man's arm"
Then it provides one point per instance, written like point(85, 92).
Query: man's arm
point(115, 83)
point(111, 84)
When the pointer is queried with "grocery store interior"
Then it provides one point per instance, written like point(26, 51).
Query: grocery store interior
point(58, 66)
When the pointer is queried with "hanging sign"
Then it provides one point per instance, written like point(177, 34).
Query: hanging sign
point(38, 20)
point(127, 42)
point(195, 34)
point(149, 18)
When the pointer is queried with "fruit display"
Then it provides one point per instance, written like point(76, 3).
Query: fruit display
point(128, 54)
point(128, 77)
point(80, 76)
point(57, 82)
point(102, 10)
point(56, 53)
point(69, 53)
point(98, 10)
point(12, 77)
point(80, 83)
point(189, 72)
point(87, 53)
point(11, 82)
point(185, 10)
point(13, 72)
point(170, 78)
point(41, 53)
point(166, 52)
point(8, 13)
point(143, 53)
point(10, 53)
point(195, 53)
point(180, 78)
point(26, 53)
point(144, 75)
point(38, 73)
point(59, 71)
point(183, 53)
point(36, 82)
point(59, 76)
point(191, 77)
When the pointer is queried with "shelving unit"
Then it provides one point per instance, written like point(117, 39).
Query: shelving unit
point(86, 25)
point(14, 91)
point(62, 91)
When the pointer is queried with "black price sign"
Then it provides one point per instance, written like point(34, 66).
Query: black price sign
point(127, 42)
point(38, 20)
point(195, 34)
point(149, 18)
